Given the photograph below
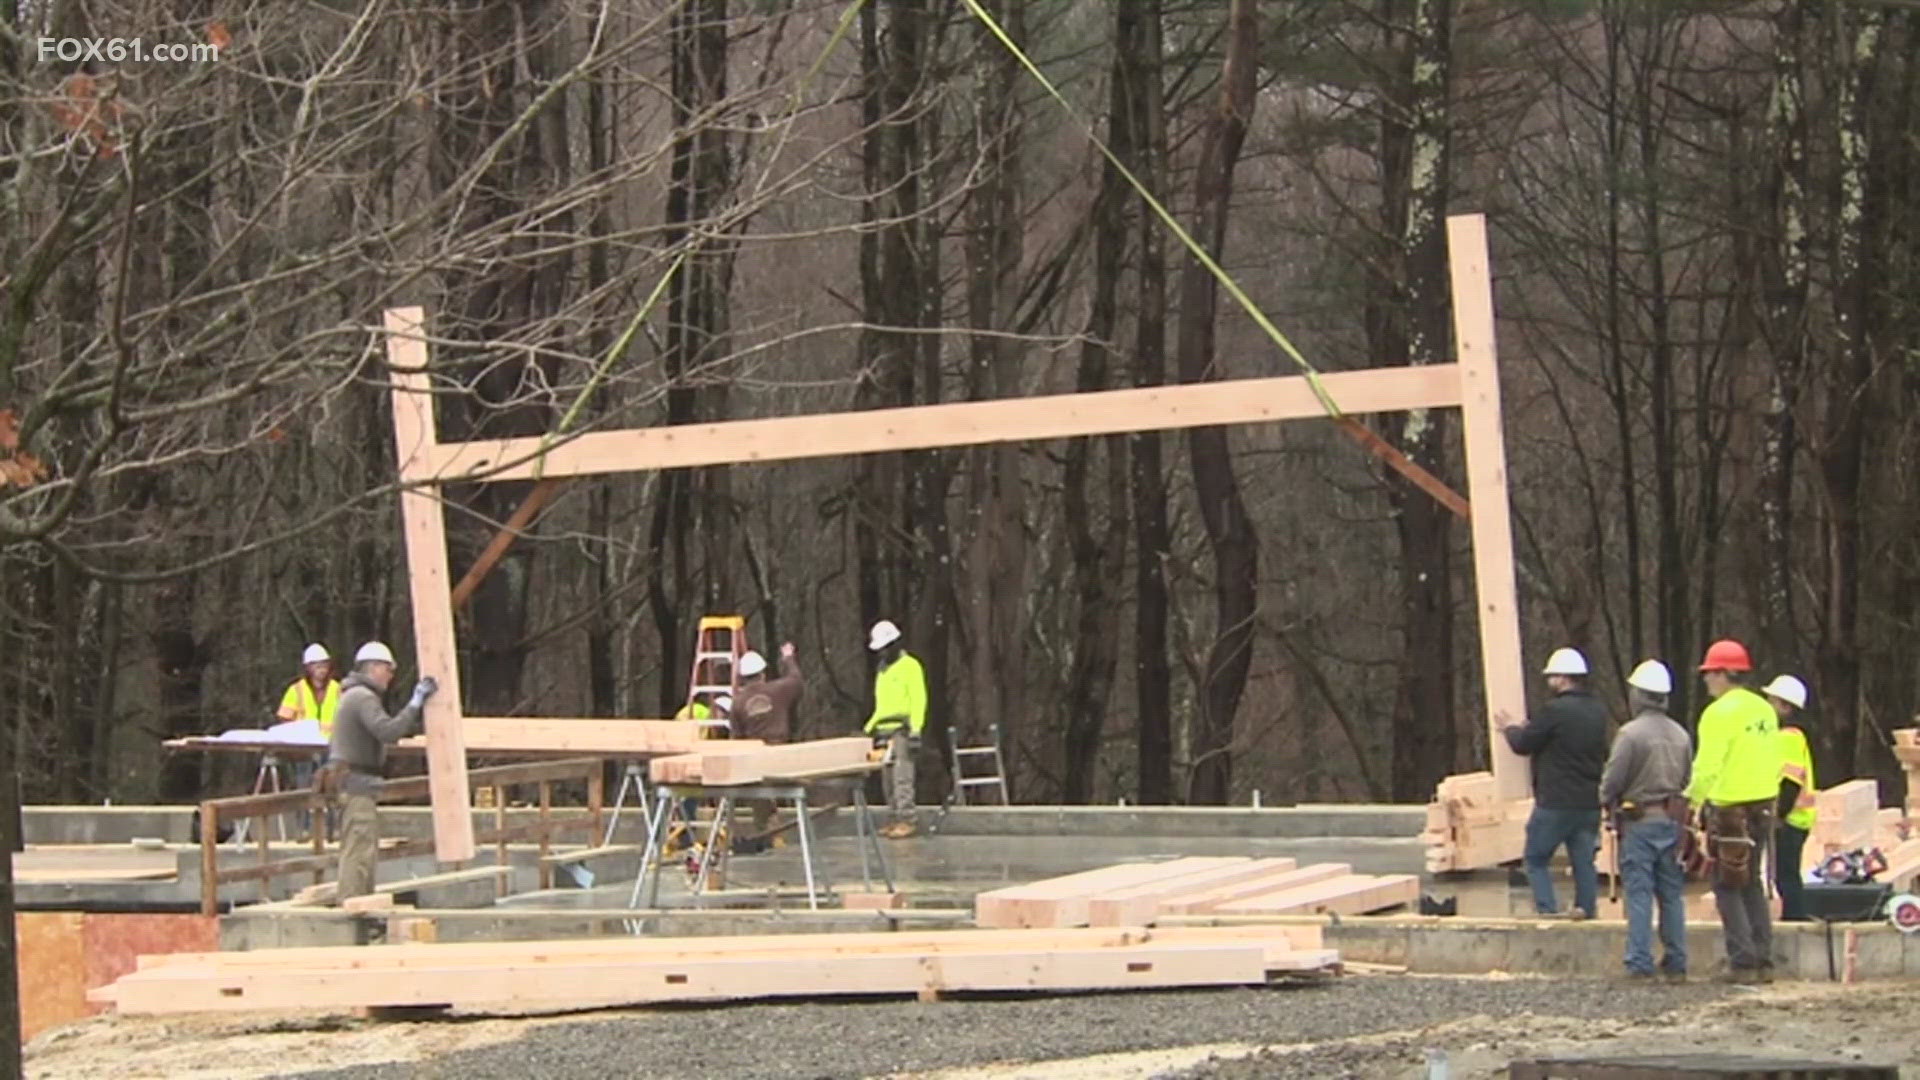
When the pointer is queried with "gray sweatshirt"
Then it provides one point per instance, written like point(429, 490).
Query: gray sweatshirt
point(362, 730)
point(1652, 759)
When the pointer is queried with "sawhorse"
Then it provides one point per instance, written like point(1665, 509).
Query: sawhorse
point(777, 790)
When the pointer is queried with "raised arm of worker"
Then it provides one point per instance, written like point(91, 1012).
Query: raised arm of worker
point(1533, 736)
point(371, 715)
point(790, 669)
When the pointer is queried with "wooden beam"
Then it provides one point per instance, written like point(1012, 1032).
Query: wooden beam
point(811, 757)
point(509, 734)
point(1056, 416)
point(496, 548)
point(1407, 467)
point(1355, 894)
point(1196, 903)
point(1485, 441)
point(1138, 904)
point(1067, 901)
point(415, 440)
point(722, 976)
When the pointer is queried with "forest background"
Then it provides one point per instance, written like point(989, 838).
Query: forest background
point(1703, 219)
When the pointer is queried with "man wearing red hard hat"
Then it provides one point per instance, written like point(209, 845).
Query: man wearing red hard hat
point(1736, 778)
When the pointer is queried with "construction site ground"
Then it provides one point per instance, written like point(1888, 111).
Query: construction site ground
point(1364, 1026)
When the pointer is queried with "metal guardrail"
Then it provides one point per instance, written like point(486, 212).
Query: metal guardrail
point(500, 777)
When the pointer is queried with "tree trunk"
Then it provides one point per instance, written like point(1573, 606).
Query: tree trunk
point(1097, 554)
point(1857, 265)
point(1785, 276)
point(1229, 530)
point(1424, 740)
point(1138, 44)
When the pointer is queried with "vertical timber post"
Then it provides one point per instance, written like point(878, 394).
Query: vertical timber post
point(1493, 573)
point(429, 584)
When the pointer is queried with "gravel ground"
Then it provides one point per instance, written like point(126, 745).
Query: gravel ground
point(874, 1039)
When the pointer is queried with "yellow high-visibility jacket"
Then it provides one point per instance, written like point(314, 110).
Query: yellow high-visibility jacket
point(696, 711)
point(1739, 753)
point(899, 693)
point(299, 703)
point(1797, 766)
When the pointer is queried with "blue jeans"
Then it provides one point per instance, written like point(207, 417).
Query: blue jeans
point(1547, 830)
point(1650, 866)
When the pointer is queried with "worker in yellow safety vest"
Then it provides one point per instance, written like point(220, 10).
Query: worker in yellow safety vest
point(899, 713)
point(316, 694)
point(1788, 696)
point(1736, 779)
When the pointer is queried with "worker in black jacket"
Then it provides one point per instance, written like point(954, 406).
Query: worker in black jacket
point(1568, 744)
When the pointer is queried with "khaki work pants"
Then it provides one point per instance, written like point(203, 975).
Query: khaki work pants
point(359, 845)
point(900, 797)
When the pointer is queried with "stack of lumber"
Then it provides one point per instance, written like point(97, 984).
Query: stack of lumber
point(1846, 818)
point(1906, 748)
point(1469, 826)
point(747, 761)
point(1131, 893)
point(633, 971)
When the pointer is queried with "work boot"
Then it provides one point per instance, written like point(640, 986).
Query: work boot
point(1764, 974)
point(1740, 976)
point(1675, 978)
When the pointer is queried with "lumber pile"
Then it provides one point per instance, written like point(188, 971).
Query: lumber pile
point(1906, 748)
point(748, 761)
point(1469, 826)
point(1131, 893)
point(1846, 816)
point(635, 971)
point(1903, 866)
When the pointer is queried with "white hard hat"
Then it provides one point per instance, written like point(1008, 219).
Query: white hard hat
point(1652, 676)
point(752, 663)
point(883, 634)
point(724, 701)
point(316, 653)
point(373, 650)
point(1788, 689)
point(1566, 662)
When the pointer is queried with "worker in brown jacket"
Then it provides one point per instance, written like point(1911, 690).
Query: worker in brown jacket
point(763, 709)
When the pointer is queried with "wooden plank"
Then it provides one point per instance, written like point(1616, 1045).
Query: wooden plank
point(561, 951)
point(1845, 814)
point(1903, 866)
point(414, 438)
point(1484, 440)
point(655, 980)
point(691, 768)
point(924, 427)
point(772, 761)
point(1064, 901)
point(1354, 894)
point(624, 738)
point(1138, 904)
point(1211, 900)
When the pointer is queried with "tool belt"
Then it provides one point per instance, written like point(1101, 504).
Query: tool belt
point(1732, 834)
point(1673, 808)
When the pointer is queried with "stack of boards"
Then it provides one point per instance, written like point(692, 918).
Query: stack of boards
point(606, 972)
point(1469, 827)
point(1130, 894)
point(749, 761)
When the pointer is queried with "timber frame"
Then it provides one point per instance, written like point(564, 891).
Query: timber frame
point(1471, 384)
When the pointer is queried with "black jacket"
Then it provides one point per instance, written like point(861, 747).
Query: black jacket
point(1568, 744)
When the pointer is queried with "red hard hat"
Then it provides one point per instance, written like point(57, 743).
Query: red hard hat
point(1726, 655)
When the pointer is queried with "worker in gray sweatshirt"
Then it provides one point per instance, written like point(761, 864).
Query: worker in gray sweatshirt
point(1642, 786)
point(357, 756)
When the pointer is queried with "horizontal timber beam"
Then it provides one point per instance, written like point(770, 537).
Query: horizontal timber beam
point(1057, 416)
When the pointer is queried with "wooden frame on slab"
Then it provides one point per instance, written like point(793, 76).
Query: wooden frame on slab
point(1472, 385)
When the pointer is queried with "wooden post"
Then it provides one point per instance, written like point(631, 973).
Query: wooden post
point(546, 836)
point(415, 439)
point(209, 859)
point(1498, 601)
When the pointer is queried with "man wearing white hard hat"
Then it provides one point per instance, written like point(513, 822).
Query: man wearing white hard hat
point(357, 756)
point(1643, 786)
point(1788, 696)
point(899, 713)
point(1568, 744)
point(315, 695)
point(763, 709)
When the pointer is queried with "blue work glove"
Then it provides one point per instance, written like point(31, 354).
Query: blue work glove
point(423, 690)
